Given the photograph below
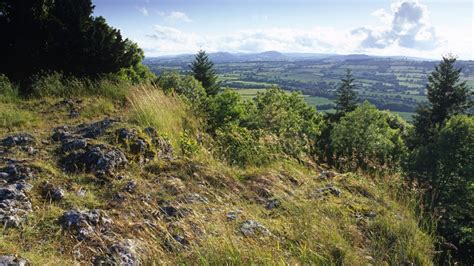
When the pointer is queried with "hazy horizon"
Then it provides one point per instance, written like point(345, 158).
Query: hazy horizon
point(425, 28)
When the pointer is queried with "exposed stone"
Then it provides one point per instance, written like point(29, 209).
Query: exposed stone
point(232, 215)
point(151, 132)
point(138, 146)
point(99, 159)
point(61, 133)
point(96, 129)
point(14, 172)
point(251, 227)
point(83, 223)
point(73, 113)
point(50, 192)
point(74, 144)
point(325, 191)
point(165, 149)
point(194, 198)
point(21, 139)
point(125, 134)
point(11, 260)
point(14, 204)
point(124, 253)
point(130, 186)
point(326, 175)
point(272, 204)
point(174, 212)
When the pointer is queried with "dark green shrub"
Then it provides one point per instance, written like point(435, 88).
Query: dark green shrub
point(296, 124)
point(240, 146)
point(364, 139)
point(227, 108)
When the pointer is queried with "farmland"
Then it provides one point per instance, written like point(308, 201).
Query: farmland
point(396, 84)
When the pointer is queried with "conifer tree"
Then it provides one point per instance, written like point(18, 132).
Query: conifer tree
point(447, 96)
point(346, 97)
point(203, 70)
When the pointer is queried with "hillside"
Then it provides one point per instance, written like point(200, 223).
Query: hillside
point(120, 180)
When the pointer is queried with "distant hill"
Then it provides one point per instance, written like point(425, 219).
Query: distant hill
point(225, 57)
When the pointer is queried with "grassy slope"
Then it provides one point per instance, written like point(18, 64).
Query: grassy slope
point(371, 221)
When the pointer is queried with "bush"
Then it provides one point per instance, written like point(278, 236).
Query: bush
point(187, 86)
point(240, 146)
point(290, 118)
point(8, 91)
point(364, 139)
point(227, 108)
point(136, 74)
point(188, 145)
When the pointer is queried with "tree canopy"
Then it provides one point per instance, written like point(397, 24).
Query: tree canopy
point(203, 70)
point(45, 35)
point(346, 97)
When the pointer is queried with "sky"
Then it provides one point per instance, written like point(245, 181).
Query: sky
point(418, 28)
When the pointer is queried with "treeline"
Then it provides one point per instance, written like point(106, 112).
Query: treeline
point(44, 36)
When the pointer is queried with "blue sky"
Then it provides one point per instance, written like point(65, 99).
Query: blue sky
point(403, 27)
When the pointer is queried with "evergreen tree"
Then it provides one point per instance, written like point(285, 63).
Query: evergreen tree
point(203, 70)
point(441, 157)
point(346, 97)
point(447, 96)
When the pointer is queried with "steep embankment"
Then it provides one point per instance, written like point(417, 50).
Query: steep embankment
point(88, 180)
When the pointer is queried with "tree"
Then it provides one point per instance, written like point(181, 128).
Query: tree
point(447, 96)
point(441, 156)
point(346, 97)
point(444, 169)
point(203, 70)
point(63, 36)
point(368, 138)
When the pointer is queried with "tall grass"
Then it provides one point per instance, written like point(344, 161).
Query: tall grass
point(150, 107)
point(12, 118)
point(58, 85)
point(8, 91)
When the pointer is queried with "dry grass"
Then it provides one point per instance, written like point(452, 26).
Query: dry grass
point(150, 107)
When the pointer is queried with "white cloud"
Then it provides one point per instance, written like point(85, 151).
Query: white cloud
point(142, 10)
point(406, 25)
point(175, 16)
point(404, 30)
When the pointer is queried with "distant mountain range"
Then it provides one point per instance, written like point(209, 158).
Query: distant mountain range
point(225, 57)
